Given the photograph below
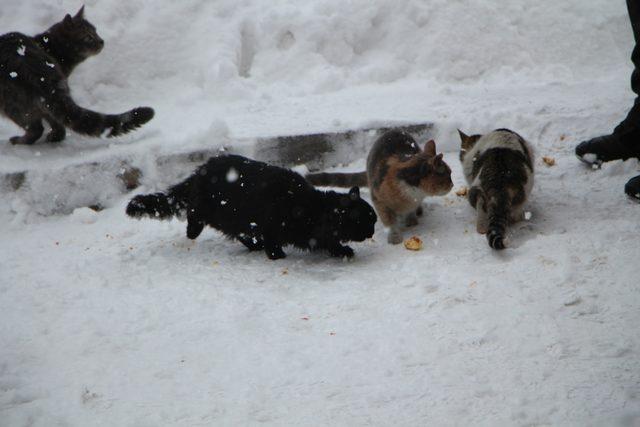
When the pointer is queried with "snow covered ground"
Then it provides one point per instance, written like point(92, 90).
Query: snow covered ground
point(108, 321)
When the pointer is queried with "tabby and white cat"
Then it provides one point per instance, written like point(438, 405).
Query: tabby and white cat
point(499, 169)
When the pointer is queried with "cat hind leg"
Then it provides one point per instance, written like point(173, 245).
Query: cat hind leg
point(33, 132)
point(482, 222)
point(57, 133)
point(411, 220)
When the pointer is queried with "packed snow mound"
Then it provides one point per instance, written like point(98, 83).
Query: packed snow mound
point(222, 51)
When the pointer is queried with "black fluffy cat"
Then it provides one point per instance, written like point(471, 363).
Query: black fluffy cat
point(264, 207)
point(33, 83)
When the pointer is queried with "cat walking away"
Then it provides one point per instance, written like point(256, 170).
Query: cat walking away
point(400, 176)
point(34, 87)
point(499, 169)
point(262, 206)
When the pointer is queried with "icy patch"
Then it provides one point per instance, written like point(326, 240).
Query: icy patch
point(84, 216)
point(13, 74)
point(21, 50)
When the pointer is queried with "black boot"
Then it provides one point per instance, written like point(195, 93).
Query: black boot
point(620, 145)
point(633, 188)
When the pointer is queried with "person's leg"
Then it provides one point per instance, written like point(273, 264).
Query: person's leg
point(624, 142)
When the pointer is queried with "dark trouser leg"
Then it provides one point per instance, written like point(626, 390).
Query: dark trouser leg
point(624, 142)
point(632, 121)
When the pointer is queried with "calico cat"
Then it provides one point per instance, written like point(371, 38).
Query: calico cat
point(33, 83)
point(499, 169)
point(264, 207)
point(400, 176)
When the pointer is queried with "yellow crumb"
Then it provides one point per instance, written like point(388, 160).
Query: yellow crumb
point(550, 161)
point(462, 192)
point(413, 244)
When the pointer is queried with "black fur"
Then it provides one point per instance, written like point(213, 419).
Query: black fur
point(33, 83)
point(345, 180)
point(264, 207)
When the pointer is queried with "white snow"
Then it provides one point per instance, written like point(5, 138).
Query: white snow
point(13, 74)
point(107, 321)
point(232, 175)
point(22, 50)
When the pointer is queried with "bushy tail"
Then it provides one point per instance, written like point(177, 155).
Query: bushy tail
point(160, 205)
point(345, 180)
point(498, 215)
point(87, 122)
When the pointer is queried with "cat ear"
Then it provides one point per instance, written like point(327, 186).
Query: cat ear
point(80, 15)
point(430, 147)
point(67, 21)
point(463, 136)
point(354, 193)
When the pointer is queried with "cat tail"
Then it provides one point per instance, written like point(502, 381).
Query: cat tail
point(87, 122)
point(345, 180)
point(161, 205)
point(498, 216)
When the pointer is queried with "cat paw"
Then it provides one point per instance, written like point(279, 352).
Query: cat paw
point(19, 140)
point(274, 254)
point(252, 243)
point(55, 136)
point(394, 238)
point(341, 252)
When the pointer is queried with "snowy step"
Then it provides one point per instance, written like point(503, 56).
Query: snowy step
point(57, 188)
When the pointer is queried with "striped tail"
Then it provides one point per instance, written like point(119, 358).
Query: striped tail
point(498, 215)
point(87, 122)
point(161, 205)
point(345, 180)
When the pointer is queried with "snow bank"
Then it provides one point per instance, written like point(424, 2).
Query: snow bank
point(198, 60)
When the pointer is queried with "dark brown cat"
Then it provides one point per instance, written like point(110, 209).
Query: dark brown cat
point(33, 83)
point(400, 176)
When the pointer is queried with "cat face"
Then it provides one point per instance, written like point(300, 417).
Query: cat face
point(81, 34)
point(355, 218)
point(428, 171)
point(467, 143)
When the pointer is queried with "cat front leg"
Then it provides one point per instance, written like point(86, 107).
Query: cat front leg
point(340, 251)
point(273, 250)
point(272, 247)
point(517, 214)
point(482, 222)
point(390, 219)
point(395, 234)
point(33, 132)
